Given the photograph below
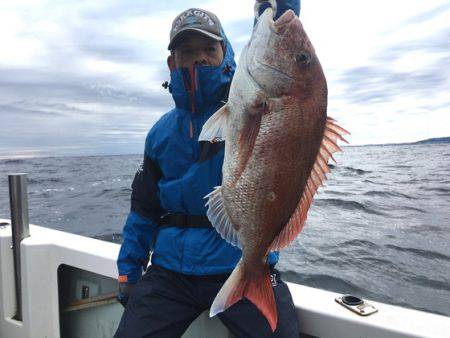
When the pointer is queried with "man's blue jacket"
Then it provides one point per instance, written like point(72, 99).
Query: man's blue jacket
point(177, 173)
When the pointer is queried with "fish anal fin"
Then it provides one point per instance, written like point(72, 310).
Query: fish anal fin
point(219, 218)
point(294, 225)
point(258, 291)
point(315, 179)
point(215, 128)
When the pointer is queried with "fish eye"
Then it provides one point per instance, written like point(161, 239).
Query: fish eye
point(303, 58)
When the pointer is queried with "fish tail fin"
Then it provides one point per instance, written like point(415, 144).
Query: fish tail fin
point(259, 291)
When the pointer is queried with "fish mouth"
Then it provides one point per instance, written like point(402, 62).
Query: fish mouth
point(284, 19)
point(279, 26)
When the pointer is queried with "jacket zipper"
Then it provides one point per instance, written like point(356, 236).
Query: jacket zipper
point(192, 90)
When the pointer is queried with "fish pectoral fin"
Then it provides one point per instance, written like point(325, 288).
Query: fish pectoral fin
point(316, 178)
point(215, 128)
point(219, 218)
point(258, 291)
point(246, 142)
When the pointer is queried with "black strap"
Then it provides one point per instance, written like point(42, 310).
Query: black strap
point(183, 221)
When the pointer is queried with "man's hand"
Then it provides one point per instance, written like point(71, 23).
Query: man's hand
point(125, 291)
point(261, 5)
point(278, 6)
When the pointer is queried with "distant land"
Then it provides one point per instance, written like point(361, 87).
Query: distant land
point(427, 141)
point(434, 140)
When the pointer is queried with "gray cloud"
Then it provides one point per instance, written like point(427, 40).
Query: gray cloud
point(120, 9)
point(15, 110)
point(438, 43)
point(123, 51)
point(380, 83)
point(39, 111)
point(374, 84)
point(48, 134)
point(39, 105)
point(236, 30)
point(428, 15)
point(239, 28)
point(42, 86)
point(57, 107)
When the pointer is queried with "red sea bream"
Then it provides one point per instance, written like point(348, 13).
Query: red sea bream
point(278, 140)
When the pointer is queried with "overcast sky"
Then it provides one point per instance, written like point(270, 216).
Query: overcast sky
point(84, 77)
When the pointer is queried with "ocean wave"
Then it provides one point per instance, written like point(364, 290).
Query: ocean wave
point(12, 161)
point(77, 194)
point(413, 181)
point(374, 182)
point(111, 237)
point(429, 229)
point(356, 171)
point(348, 205)
point(361, 253)
point(399, 166)
point(430, 283)
point(443, 190)
point(388, 194)
point(420, 252)
point(103, 192)
point(326, 282)
point(364, 261)
point(359, 243)
point(404, 207)
point(33, 180)
point(338, 193)
point(114, 193)
point(326, 259)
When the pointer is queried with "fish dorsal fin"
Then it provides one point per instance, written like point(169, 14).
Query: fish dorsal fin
point(215, 128)
point(316, 178)
point(219, 218)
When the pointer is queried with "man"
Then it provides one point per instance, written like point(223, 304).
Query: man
point(190, 261)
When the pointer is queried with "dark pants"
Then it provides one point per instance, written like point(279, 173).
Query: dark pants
point(164, 303)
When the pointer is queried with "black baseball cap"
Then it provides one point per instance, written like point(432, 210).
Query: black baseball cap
point(195, 20)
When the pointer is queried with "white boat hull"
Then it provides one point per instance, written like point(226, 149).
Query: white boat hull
point(93, 266)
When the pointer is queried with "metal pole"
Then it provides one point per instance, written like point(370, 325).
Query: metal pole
point(18, 199)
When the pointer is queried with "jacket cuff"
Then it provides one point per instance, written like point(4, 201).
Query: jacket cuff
point(131, 277)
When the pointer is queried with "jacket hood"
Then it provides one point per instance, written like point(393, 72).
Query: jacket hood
point(211, 83)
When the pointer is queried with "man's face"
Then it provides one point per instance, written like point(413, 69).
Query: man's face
point(197, 49)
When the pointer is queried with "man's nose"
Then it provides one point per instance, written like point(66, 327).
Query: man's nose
point(202, 59)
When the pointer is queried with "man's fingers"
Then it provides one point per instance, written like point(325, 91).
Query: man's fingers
point(261, 5)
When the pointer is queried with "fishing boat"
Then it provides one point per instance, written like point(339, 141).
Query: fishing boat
point(58, 284)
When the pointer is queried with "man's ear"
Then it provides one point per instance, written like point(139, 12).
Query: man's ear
point(171, 62)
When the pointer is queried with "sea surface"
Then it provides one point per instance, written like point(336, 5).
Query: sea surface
point(380, 228)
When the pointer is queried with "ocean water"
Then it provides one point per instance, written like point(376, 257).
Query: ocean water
point(380, 228)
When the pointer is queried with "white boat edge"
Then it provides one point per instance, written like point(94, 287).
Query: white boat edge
point(46, 250)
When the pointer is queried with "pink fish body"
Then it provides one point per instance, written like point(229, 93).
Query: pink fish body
point(278, 140)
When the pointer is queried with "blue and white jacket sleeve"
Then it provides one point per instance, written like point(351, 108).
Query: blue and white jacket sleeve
point(282, 6)
point(141, 225)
